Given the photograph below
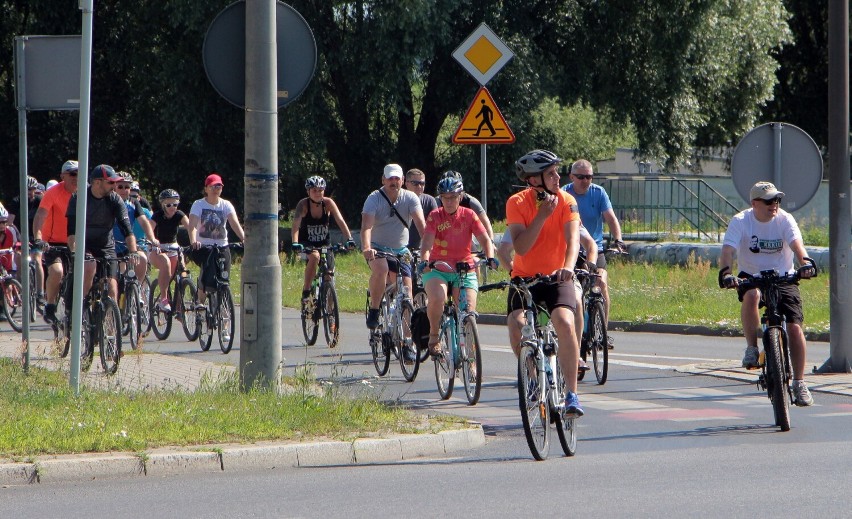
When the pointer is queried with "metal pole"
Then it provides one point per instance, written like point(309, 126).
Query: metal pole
point(776, 153)
point(260, 347)
point(20, 73)
point(840, 216)
point(483, 158)
point(87, 6)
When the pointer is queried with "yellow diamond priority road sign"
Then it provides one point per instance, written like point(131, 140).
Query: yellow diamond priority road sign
point(483, 123)
point(483, 54)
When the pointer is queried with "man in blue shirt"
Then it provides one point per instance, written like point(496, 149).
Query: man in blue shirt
point(595, 208)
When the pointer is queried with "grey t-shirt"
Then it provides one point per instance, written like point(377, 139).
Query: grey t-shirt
point(388, 230)
point(428, 204)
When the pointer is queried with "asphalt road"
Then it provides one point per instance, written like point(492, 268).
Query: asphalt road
point(654, 442)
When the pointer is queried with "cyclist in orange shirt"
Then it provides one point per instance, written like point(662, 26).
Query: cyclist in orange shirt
point(50, 226)
point(544, 223)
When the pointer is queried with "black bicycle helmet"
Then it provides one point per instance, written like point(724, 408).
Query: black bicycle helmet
point(168, 193)
point(450, 185)
point(534, 163)
point(315, 181)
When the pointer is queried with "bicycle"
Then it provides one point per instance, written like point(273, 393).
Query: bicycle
point(393, 334)
point(541, 385)
point(130, 302)
point(182, 295)
point(776, 371)
point(218, 314)
point(102, 322)
point(460, 347)
point(13, 295)
point(594, 340)
point(322, 300)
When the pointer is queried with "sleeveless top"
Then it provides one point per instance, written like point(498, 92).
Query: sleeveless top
point(314, 231)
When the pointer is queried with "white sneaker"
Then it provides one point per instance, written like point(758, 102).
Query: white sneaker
point(801, 394)
point(164, 306)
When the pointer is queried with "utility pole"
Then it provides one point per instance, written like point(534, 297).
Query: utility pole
point(260, 345)
point(840, 219)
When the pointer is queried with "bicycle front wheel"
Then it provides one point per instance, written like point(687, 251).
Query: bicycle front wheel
point(13, 303)
point(471, 358)
point(227, 324)
point(161, 321)
point(409, 359)
point(532, 400)
point(445, 369)
point(207, 322)
point(598, 341)
point(185, 308)
point(144, 306)
point(565, 425)
point(331, 315)
point(131, 313)
point(87, 340)
point(776, 382)
point(109, 335)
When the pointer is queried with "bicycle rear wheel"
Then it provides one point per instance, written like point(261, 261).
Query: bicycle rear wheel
point(565, 426)
point(161, 321)
point(185, 307)
point(131, 313)
point(227, 324)
point(598, 341)
point(87, 340)
point(331, 315)
point(62, 326)
point(410, 369)
point(445, 369)
point(13, 303)
point(145, 306)
point(310, 320)
point(109, 335)
point(533, 402)
point(471, 358)
point(776, 383)
point(207, 323)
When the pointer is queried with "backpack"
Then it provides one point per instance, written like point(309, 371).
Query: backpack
point(420, 328)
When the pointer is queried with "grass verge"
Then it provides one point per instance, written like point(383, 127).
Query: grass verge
point(42, 416)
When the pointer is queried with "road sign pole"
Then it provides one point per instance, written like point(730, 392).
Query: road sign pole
point(483, 176)
point(260, 346)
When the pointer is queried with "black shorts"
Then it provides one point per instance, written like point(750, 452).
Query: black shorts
point(205, 258)
point(53, 255)
point(789, 304)
point(112, 261)
point(396, 267)
point(549, 295)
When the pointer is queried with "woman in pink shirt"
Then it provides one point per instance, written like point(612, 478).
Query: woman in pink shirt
point(447, 238)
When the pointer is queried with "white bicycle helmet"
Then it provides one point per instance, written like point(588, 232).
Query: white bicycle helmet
point(4, 214)
point(315, 181)
point(534, 163)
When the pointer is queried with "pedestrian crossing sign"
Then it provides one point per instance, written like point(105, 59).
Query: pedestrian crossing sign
point(483, 123)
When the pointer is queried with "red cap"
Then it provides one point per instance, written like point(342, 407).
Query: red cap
point(213, 178)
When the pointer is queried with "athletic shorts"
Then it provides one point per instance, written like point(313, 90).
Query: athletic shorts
point(548, 295)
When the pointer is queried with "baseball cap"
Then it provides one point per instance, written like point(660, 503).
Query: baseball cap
point(393, 170)
point(764, 191)
point(70, 165)
point(212, 179)
point(104, 172)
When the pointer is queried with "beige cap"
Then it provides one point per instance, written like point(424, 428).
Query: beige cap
point(764, 191)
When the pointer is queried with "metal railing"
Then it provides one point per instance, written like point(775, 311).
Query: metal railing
point(668, 208)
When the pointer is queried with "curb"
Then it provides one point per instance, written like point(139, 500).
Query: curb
point(234, 458)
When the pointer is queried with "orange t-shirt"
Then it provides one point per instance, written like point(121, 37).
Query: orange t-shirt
point(548, 252)
point(55, 201)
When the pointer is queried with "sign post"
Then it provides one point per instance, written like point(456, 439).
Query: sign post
point(482, 55)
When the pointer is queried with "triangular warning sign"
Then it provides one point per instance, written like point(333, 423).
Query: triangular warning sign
point(483, 123)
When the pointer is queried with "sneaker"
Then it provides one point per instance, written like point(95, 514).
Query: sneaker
point(572, 405)
point(408, 355)
point(373, 318)
point(751, 359)
point(50, 314)
point(164, 306)
point(801, 394)
point(40, 303)
point(610, 343)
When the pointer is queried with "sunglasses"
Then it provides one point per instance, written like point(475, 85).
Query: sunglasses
point(771, 201)
point(171, 205)
point(582, 177)
point(72, 173)
point(215, 186)
point(450, 197)
point(417, 182)
point(122, 186)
